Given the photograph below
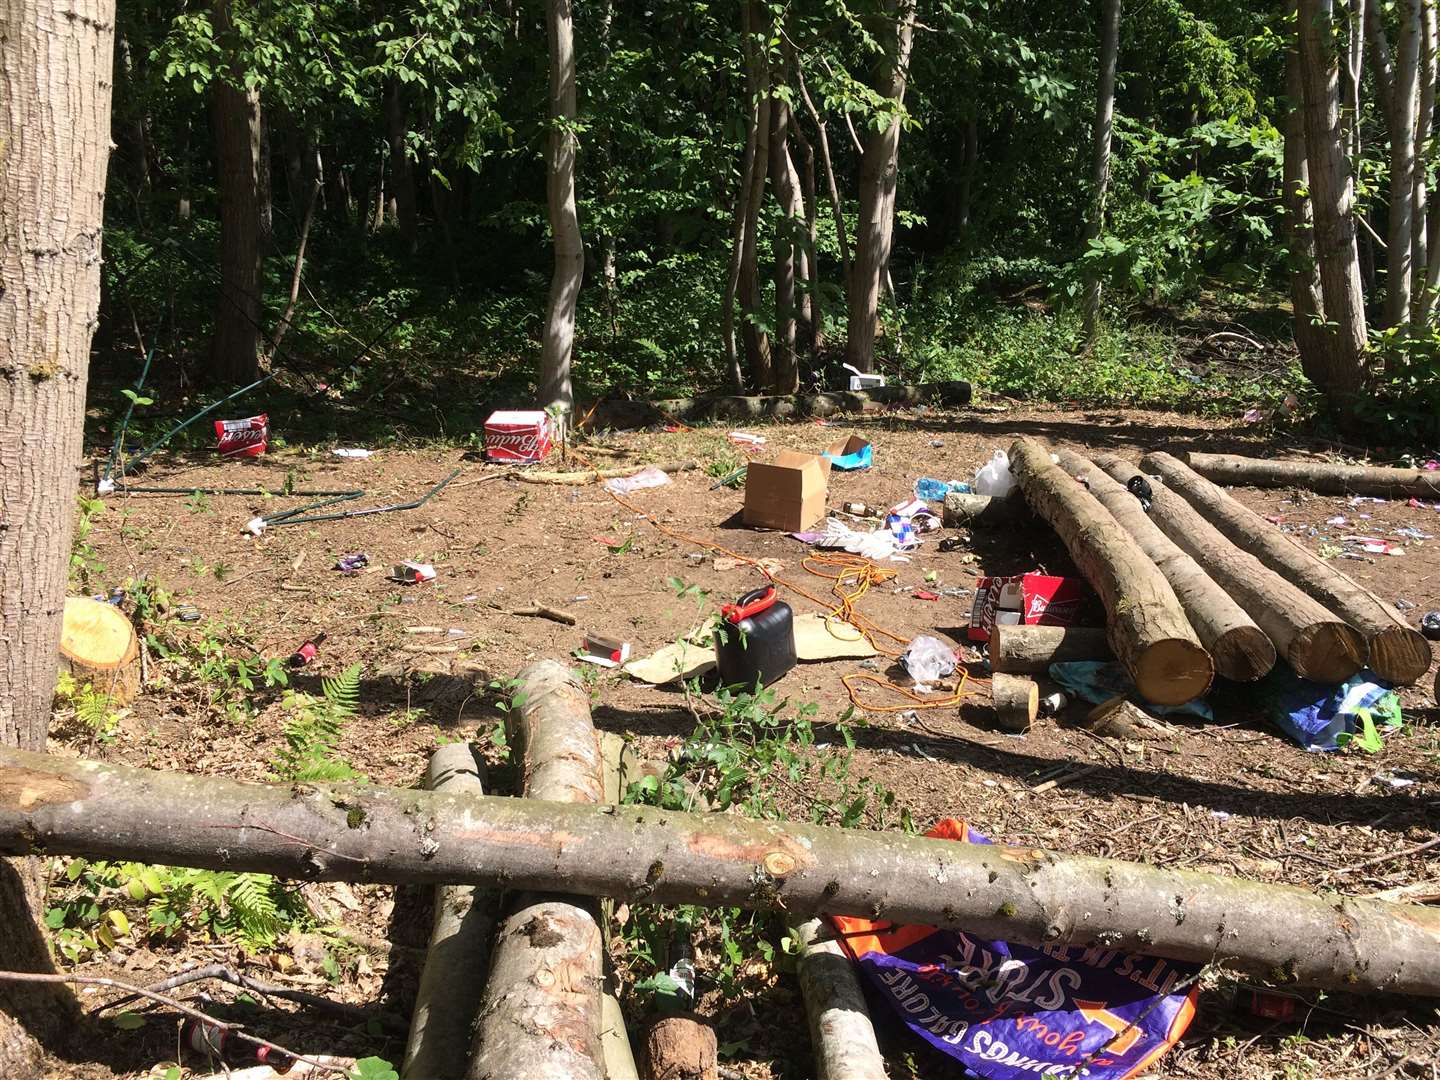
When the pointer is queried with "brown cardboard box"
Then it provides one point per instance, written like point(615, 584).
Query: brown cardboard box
point(787, 495)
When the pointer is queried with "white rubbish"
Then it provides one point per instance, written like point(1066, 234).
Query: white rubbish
point(645, 478)
point(352, 452)
point(994, 477)
point(928, 659)
point(877, 545)
point(105, 487)
point(412, 573)
point(255, 526)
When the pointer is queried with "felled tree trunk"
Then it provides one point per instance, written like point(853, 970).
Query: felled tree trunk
point(98, 645)
point(1318, 476)
point(984, 511)
point(1016, 700)
point(1241, 650)
point(1030, 650)
point(841, 1033)
point(367, 832)
point(541, 1016)
point(785, 406)
point(1147, 627)
point(1398, 652)
point(451, 982)
point(1313, 641)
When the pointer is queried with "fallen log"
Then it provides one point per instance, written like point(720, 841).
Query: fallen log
point(371, 833)
point(786, 406)
point(841, 1033)
point(1240, 649)
point(542, 1009)
point(1317, 476)
point(983, 511)
point(1115, 717)
point(1031, 649)
point(589, 476)
point(451, 982)
point(1147, 627)
point(1399, 653)
point(1313, 641)
point(98, 645)
point(614, 1042)
point(1016, 700)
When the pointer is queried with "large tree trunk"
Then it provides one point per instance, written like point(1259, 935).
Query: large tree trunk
point(740, 229)
point(1147, 627)
point(541, 1016)
point(367, 832)
point(1313, 641)
point(1340, 364)
point(1422, 300)
point(879, 173)
point(1398, 653)
point(841, 1033)
point(1241, 650)
point(1100, 152)
point(55, 78)
point(757, 341)
point(1306, 298)
point(402, 169)
point(787, 230)
point(811, 305)
point(558, 342)
point(1317, 476)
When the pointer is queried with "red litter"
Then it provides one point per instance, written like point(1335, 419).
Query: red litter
point(926, 594)
point(243, 438)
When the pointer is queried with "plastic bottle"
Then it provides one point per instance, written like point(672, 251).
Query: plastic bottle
point(308, 651)
point(935, 490)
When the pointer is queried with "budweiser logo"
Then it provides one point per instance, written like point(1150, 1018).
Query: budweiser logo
point(525, 441)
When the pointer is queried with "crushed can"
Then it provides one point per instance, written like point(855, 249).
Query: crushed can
point(755, 641)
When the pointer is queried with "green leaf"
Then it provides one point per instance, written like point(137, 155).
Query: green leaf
point(373, 1068)
point(128, 1021)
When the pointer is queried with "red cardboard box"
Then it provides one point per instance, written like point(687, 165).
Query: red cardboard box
point(520, 438)
point(1026, 598)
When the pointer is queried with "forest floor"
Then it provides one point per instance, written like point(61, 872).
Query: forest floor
point(1233, 796)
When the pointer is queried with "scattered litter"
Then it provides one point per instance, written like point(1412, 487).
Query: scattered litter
point(1220, 815)
point(826, 637)
point(1395, 780)
point(307, 652)
point(604, 651)
point(1030, 599)
point(1322, 717)
point(412, 573)
point(746, 441)
point(875, 546)
point(187, 613)
point(935, 444)
point(1356, 500)
point(936, 490)
point(903, 530)
point(928, 659)
point(518, 437)
point(1053, 704)
point(1405, 605)
point(849, 454)
point(645, 478)
point(910, 508)
point(994, 477)
point(1275, 519)
point(1264, 1004)
point(863, 380)
point(1412, 533)
point(1338, 519)
point(243, 438)
point(692, 655)
point(352, 452)
point(952, 543)
point(1430, 625)
point(925, 594)
point(1374, 545)
point(577, 599)
point(350, 565)
point(859, 509)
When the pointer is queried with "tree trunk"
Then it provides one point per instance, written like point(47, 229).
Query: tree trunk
point(541, 1015)
point(1313, 641)
point(1322, 477)
point(1306, 299)
point(879, 172)
point(1147, 627)
point(965, 195)
point(811, 306)
point(836, 208)
point(1240, 649)
point(451, 982)
point(558, 342)
point(740, 230)
point(841, 1033)
point(1401, 217)
point(367, 832)
point(56, 68)
point(1100, 154)
point(787, 229)
point(1398, 653)
point(1354, 64)
point(1016, 700)
point(757, 342)
point(282, 325)
point(1422, 301)
point(1340, 364)
point(402, 170)
point(1030, 650)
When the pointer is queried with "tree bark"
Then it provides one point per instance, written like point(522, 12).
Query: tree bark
point(1313, 641)
point(235, 116)
point(1016, 700)
point(1030, 650)
point(451, 982)
point(1306, 298)
point(402, 169)
point(879, 173)
point(541, 1016)
point(1318, 476)
point(680, 1048)
point(983, 511)
point(1340, 365)
point(1100, 160)
point(1422, 300)
point(56, 70)
point(1401, 217)
point(757, 341)
point(558, 341)
point(811, 303)
point(841, 1033)
point(1147, 626)
point(367, 832)
point(1240, 649)
point(1398, 653)
point(787, 229)
point(836, 209)
point(740, 229)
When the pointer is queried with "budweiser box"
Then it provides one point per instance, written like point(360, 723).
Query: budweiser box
point(1026, 598)
point(520, 438)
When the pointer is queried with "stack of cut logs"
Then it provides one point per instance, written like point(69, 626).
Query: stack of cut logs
point(1196, 585)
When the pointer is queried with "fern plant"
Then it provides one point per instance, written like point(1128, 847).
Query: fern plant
point(313, 729)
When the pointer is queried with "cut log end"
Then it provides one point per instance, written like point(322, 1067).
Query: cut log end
point(1328, 652)
point(98, 645)
point(1243, 654)
point(1017, 701)
point(1173, 671)
point(1400, 655)
point(681, 1048)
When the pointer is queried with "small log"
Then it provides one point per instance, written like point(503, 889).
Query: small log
point(98, 645)
point(590, 476)
point(1318, 476)
point(681, 1048)
point(1240, 649)
point(841, 1032)
point(1115, 717)
point(1030, 650)
point(1313, 641)
point(1147, 626)
point(614, 1042)
point(983, 511)
point(1017, 701)
point(1399, 653)
point(451, 982)
point(542, 1010)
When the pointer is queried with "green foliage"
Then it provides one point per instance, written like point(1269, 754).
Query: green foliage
point(313, 727)
point(373, 1068)
point(206, 655)
point(85, 564)
point(89, 707)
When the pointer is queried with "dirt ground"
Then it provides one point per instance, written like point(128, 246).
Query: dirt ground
point(1233, 796)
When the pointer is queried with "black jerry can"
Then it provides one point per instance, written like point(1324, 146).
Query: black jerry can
point(755, 639)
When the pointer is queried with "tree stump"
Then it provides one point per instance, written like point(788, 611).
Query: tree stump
point(681, 1048)
point(1017, 700)
point(98, 645)
point(1115, 717)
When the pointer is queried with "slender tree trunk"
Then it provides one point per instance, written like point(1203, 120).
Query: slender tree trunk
point(787, 228)
point(1100, 167)
point(812, 307)
point(879, 171)
point(282, 326)
point(1340, 365)
point(402, 171)
point(967, 174)
point(1399, 239)
point(739, 231)
point(836, 207)
point(235, 116)
point(1354, 67)
point(1422, 300)
point(56, 71)
point(757, 341)
point(558, 344)
point(1305, 295)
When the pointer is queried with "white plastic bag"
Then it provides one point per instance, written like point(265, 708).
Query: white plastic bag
point(928, 659)
point(646, 478)
point(994, 477)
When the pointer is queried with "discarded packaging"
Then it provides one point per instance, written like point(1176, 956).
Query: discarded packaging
point(928, 659)
point(1053, 704)
point(936, 490)
point(860, 509)
point(518, 437)
point(352, 452)
point(863, 380)
point(412, 573)
point(747, 442)
point(352, 564)
point(875, 546)
point(1027, 599)
point(994, 477)
point(604, 651)
point(646, 478)
point(788, 494)
point(850, 453)
point(755, 642)
point(243, 438)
